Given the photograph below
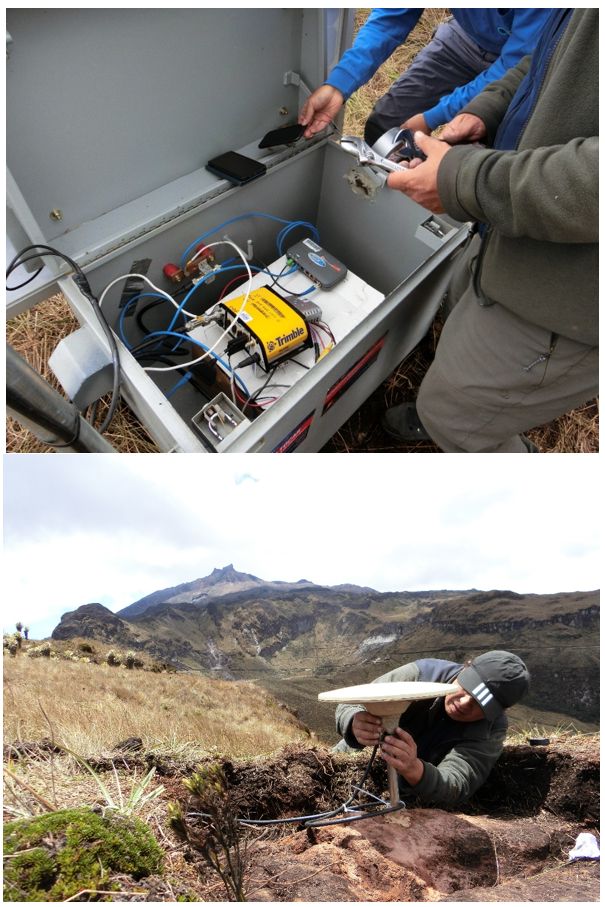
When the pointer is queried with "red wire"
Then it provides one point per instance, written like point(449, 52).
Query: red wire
point(226, 287)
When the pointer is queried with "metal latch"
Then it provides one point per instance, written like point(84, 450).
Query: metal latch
point(434, 227)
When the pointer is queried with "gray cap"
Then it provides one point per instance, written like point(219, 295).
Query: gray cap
point(496, 680)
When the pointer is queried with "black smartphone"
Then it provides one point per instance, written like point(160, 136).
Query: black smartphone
point(285, 135)
point(237, 168)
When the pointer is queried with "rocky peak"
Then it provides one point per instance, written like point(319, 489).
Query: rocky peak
point(92, 621)
point(229, 574)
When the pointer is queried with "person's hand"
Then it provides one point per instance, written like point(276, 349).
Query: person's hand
point(419, 182)
point(417, 124)
point(399, 751)
point(320, 109)
point(464, 129)
point(366, 728)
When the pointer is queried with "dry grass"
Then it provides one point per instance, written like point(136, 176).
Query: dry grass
point(36, 333)
point(64, 784)
point(90, 708)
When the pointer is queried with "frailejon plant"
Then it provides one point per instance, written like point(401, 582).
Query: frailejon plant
point(216, 833)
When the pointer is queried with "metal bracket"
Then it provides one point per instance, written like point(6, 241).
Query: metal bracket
point(218, 419)
point(355, 813)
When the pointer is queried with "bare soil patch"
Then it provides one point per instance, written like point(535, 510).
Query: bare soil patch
point(509, 844)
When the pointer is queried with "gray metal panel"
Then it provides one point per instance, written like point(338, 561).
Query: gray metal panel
point(290, 191)
point(381, 241)
point(106, 105)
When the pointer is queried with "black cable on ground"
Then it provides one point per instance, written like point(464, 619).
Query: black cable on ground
point(328, 816)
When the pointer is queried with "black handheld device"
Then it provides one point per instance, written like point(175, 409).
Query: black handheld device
point(285, 135)
point(237, 168)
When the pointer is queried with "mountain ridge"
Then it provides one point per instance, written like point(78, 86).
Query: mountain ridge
point(297, 639)
point(221, 581)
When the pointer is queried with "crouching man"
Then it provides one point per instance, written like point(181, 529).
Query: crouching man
point(444, 748)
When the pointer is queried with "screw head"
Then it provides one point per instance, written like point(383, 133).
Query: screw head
point(56, 214)
point(283, 111)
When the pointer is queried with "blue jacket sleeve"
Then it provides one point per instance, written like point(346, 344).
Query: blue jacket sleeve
point(383, 32)
point(525, 31)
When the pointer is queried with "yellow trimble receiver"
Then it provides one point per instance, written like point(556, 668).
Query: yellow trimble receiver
point(278, 329)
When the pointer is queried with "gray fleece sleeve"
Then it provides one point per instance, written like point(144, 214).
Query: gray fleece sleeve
point(345, 713)
point(547, 194)
point(461, 772)
point(544, 193)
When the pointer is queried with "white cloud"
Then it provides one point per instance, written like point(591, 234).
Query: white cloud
point(113, 529)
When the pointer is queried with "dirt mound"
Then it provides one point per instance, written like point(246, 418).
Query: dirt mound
point(444, 850)
point(418, 855)
point(510, 844)
point(331, 864)
point(562, 778)
point(574, 883)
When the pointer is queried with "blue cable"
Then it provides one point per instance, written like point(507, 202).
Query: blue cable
point(187, 377)
point(207, 349)
point(281, 220)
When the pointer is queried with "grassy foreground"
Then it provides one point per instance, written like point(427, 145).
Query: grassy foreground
point(122, 826)
point(89, 708)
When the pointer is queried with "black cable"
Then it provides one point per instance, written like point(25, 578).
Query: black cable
point(139, 315)
point(29, 279)
point(318, 818)
point(83, 285)
point(159, 342)
point(275, 279)
point(150, 305)
point(296, 362)
point(159, 357)
point(253, 397)
point(276, 283)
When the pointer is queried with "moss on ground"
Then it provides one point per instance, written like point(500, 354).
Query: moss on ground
point(54, 856)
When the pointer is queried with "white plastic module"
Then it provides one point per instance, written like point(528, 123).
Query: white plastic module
point(138, 188)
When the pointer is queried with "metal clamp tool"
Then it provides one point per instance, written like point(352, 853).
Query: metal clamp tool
point(373, 167)
point(366, 156)
point(392, 152)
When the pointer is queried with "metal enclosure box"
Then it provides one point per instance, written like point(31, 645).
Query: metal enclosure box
point(111, 117)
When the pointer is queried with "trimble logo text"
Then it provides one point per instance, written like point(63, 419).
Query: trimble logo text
point(287, 338)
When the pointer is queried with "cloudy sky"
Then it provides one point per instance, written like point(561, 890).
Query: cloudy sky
point(111, 529)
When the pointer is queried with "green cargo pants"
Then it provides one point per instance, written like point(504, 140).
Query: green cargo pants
point(496, 375)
